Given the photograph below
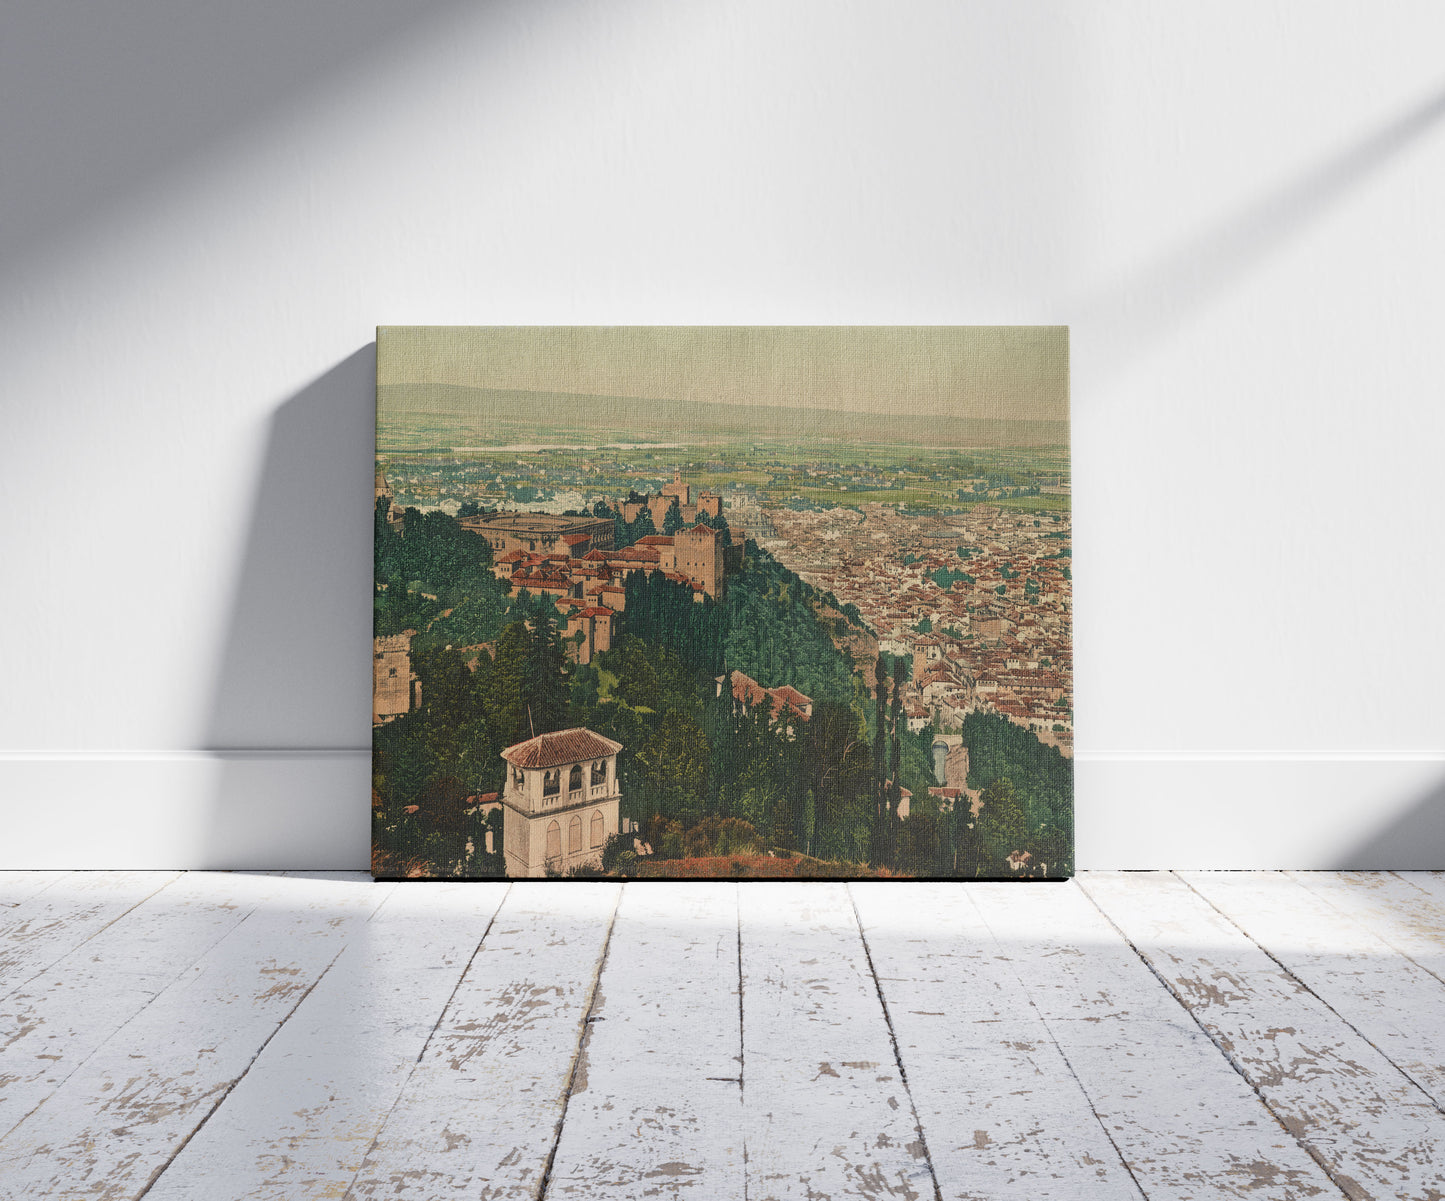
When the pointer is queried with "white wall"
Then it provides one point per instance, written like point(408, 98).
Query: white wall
point(205, 208)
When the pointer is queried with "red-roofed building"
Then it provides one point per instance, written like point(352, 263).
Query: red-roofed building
point(561, 802)
point(784, 703)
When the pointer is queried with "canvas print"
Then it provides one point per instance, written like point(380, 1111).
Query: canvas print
point(731, 602)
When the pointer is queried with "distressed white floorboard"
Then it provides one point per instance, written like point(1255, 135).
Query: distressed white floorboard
point(479, 1116)
point(124, 1113)
point(47, 925)
point(1392, 1002)
point(228, 1036)
point(1186, 1124)
point(1001, 1113)
point(656, 1108)
point(1430, 883)
point(827, 1113)
point(51, 1024)
point(1403, 908)
point(16, 887)
point(299, 1123)
point(1378, 1134)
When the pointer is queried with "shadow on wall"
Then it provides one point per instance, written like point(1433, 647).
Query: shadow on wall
point(1149, 304)
point(290, 717)
point(1413, 841)
point(119, 97)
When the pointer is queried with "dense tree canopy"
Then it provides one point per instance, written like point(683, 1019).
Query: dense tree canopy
point(698, 767)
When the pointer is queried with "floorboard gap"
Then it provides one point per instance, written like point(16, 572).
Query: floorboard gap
point(1346, 1192)
point(583, 1037)
point(893, 1041)
point(401, 1092)
point(1305, 988)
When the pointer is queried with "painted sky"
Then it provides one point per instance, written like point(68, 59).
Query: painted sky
point(1016, 373)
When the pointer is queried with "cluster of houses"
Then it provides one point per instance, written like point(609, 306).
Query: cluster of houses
point(997, 637)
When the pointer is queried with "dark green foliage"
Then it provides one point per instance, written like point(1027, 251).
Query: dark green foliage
point(717, 523)
point(1041, 779)
point(626, 533)
point(890, 663)
point(839, 767)
point(673, 766)
point(1002, 825)
point(659, 610)
point(544, 684)
point(436, 579)
point(774, 634)
point(946, 579)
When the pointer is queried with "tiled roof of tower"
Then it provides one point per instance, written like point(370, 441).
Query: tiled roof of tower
point(563, 746)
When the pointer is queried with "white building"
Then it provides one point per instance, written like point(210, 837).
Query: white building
point(561, 801)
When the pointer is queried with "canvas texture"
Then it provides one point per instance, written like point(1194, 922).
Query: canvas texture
point(729, 602)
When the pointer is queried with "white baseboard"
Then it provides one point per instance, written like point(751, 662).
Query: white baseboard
point(310, 809)
point(1232, 810)
point(186, 809)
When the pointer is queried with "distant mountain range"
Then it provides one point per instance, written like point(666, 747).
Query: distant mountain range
point(414, 417)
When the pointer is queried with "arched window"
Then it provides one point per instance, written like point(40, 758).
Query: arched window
point(554, 841)
point(599, 772)
point(574, 778)
point(574, 835)
point(598, 826)
point(551, 782)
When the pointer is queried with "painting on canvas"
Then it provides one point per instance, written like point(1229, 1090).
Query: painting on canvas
point(737, 602)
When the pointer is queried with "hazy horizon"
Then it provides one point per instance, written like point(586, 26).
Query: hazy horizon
point(1014, 374)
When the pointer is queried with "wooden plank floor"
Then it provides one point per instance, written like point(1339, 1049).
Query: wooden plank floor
point(1125, 1035)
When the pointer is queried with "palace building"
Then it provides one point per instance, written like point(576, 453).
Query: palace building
point(542, 533)
point(561, 802)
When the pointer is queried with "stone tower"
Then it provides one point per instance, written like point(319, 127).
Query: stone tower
point(700, 557)
point(561, 801)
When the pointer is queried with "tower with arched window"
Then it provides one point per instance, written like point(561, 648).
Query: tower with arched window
point(560, 804)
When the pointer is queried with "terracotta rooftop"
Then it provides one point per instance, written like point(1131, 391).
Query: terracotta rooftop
point(563, 746)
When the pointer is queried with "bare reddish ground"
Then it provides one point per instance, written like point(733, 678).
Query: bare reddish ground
point(760, 867)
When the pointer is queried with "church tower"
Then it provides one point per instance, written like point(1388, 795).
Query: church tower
point(561, 801)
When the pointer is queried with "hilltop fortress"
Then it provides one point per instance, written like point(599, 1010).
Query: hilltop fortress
point(574, 559)
point(678, 495)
